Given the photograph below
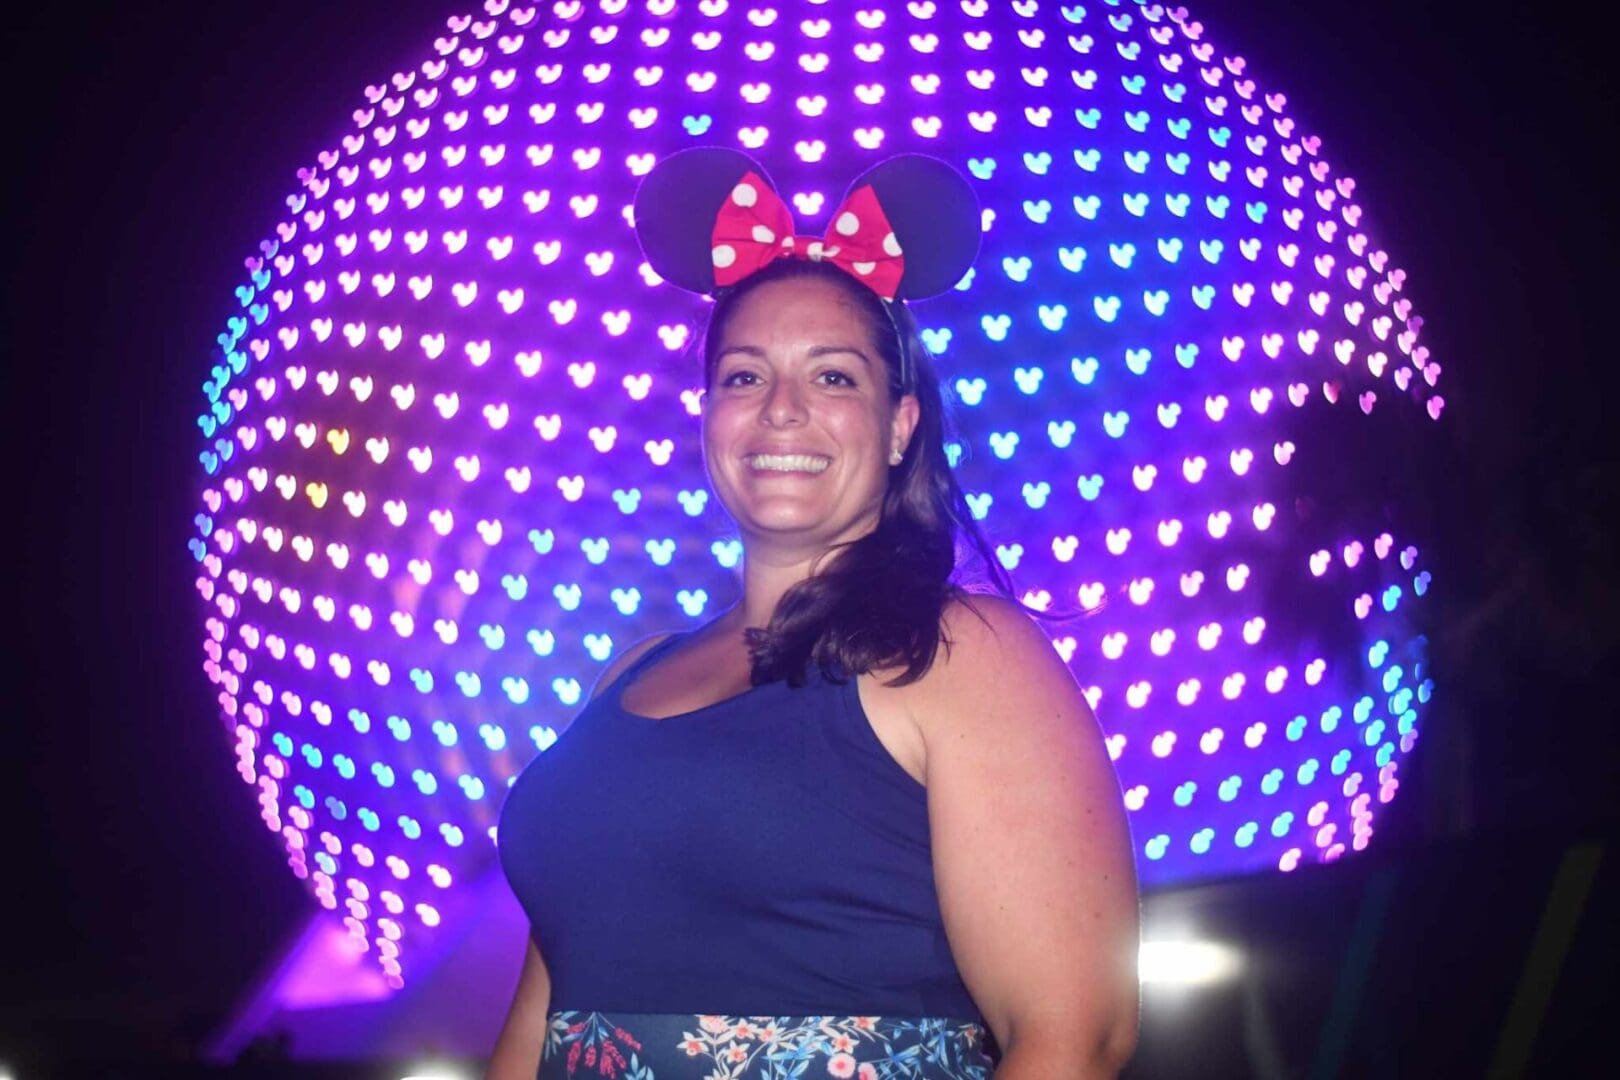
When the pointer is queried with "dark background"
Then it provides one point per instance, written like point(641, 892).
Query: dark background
point(149, 151)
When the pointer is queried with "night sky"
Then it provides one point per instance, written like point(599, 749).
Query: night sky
point(149, 156)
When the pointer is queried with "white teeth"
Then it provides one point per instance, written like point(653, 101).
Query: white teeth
point(789, 462)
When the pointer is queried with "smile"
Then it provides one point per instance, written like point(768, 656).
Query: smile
point(801, 463)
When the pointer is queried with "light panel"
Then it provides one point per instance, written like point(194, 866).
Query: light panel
point(452, 461)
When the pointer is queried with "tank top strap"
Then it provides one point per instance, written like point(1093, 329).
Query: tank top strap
point(646, 658)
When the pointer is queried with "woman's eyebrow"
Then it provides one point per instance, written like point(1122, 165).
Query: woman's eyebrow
point(823, 350)
point(816, 351)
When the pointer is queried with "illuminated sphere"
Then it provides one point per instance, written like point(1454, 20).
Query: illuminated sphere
point(452, 461)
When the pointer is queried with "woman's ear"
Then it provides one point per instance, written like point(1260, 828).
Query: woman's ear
point(907, 411)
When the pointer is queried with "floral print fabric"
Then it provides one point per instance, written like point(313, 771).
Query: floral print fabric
point(688, 1046)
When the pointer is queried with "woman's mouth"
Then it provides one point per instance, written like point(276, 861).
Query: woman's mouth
point(788, 463)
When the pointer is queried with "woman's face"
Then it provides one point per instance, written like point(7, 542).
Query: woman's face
point(797, 424)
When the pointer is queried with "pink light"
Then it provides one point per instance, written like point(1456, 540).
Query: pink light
point(1231, 690)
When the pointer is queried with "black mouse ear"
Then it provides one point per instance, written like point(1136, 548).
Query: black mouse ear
point(935, 217)
point(676, 207)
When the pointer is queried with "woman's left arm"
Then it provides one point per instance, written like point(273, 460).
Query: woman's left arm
point(1032, 852)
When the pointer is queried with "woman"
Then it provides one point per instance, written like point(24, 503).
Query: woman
point(804, 839)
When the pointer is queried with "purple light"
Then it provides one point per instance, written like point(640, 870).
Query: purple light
point(451, 457)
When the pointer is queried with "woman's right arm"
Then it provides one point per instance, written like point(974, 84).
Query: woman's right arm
point(522, 1041)
point(523, 1037)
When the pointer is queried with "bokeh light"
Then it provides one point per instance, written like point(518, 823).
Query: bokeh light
point(451, 439)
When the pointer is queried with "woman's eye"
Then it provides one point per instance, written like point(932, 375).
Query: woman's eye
point(840, 379)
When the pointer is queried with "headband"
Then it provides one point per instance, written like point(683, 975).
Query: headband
point(709, 217)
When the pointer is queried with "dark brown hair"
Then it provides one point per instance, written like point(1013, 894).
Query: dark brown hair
point(878, 602)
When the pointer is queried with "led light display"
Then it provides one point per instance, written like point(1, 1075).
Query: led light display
point(452, 463)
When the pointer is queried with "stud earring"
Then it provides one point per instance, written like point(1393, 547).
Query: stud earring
point(895, 457)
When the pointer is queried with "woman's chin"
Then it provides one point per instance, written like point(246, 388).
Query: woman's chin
point(781, 523)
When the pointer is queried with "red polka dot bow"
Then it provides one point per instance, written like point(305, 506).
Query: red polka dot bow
point(755, 227)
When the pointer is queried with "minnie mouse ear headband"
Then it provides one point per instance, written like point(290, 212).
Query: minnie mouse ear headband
point(709, 217)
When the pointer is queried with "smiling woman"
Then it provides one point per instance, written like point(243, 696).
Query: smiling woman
point(829, 838)
point(806, 434)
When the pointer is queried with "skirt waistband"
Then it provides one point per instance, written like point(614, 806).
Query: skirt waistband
point(701, 1046)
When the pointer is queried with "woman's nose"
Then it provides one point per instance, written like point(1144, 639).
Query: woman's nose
point(784, 403)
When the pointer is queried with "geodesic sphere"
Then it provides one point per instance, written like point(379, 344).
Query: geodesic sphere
point(452, 459)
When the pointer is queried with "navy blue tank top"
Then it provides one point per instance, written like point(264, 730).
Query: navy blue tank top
point(764, 855)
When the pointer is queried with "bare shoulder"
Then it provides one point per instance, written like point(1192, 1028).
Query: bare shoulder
point(985, 635)
point(620, 663)
point(989, 614)
point(993, 659)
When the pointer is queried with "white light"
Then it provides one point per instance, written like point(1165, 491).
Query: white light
point(434, 1072)
point(1187, 963)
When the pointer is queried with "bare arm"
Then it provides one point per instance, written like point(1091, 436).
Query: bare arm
point(522, 1041)
point(1032, 851)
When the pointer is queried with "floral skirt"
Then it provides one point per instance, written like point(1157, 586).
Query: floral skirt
point(687, 1046)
